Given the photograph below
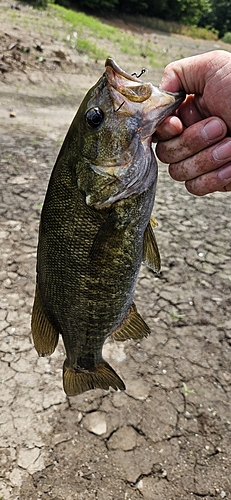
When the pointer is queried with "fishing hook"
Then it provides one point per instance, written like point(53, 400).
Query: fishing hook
point(141, 73)
point(120, 106)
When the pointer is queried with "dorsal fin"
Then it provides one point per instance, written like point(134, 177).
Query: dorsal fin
point(133, 327)
point(151, 255)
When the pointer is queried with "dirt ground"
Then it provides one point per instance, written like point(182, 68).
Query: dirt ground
point(169, 435)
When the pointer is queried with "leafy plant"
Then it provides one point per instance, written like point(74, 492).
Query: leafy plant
point(187, 390)
point(227, 37)
point(176, 315)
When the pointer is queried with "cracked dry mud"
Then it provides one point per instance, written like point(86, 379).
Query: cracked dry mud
point(169, 435)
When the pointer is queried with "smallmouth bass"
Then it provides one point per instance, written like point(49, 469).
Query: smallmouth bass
point(95, 227)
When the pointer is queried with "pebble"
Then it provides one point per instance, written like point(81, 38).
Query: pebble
point(138, 389)
point(27, 456)
point(96, 422)
point(16, 477)
point(3, 325)
point(125, 438)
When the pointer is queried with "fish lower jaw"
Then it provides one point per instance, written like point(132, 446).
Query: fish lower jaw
point(113, 168)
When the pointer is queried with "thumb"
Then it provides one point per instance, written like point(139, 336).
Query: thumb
point(192, 73)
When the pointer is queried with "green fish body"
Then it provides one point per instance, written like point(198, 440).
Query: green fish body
point(95, 227)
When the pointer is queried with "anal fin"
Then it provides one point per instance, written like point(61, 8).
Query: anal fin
point(45, 336)
point(77, 381)
point(151, 255)
point(133, 327)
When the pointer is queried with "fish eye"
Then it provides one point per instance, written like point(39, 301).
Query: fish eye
point(94, 117)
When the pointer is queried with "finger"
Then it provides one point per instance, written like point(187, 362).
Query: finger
point(193, 139)
point(188, 112)
point(205, 161)
point(171, 127)
point(218, 180)
point(226, 188)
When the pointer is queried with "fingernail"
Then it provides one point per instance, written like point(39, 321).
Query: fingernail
point(212, 130)
point(222, 151)
point(225, 173)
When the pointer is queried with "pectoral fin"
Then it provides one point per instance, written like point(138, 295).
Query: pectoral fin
point(106, 237)
point(133, 327)
point(151, 255)
point(102, 377)
point(44, 335)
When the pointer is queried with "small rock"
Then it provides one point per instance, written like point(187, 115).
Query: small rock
point(138, 389)
point(96, 422)
point(12, 114)
point(27, 456)
point(16, 477)
point(124, 439)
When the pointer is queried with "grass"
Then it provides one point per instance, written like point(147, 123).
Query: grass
point(171, 27)
point(90, 32)
point(96, 39)
point(186, 390)
point(201, 33)
point(227, 37)
point(86, 47)
point(89, 27)
point(176, 315)
point(81, 22)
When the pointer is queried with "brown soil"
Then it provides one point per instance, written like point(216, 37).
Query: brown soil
point(169, 435)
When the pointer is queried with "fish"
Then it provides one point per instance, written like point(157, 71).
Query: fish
point(96, 227)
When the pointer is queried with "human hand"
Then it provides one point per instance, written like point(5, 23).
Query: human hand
point(197, 142)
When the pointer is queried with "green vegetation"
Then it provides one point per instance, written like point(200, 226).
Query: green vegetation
point(186, 390)
point(227, 37)
point(87, 34)
point(97, 39)
point(90, 31)
point(217, 16)
point(210, 15)
point(171, 26)
point(82, 21)
point(176, 315)
point(87, 47)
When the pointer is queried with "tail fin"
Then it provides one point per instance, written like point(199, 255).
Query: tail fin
point(103, 376)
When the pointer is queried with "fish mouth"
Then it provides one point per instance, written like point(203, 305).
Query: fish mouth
point(128, 85)
point(131, 96)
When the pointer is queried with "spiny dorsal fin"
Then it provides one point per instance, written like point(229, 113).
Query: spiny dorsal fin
point(103, 376)
point(133, 327)
point(44, 335)
point(151, 256)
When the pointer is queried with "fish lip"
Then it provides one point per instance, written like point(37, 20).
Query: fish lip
point(179, 98)
point(119, 71)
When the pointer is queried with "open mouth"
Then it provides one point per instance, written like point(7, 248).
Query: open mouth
point(135, 90)
point(129, 86)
